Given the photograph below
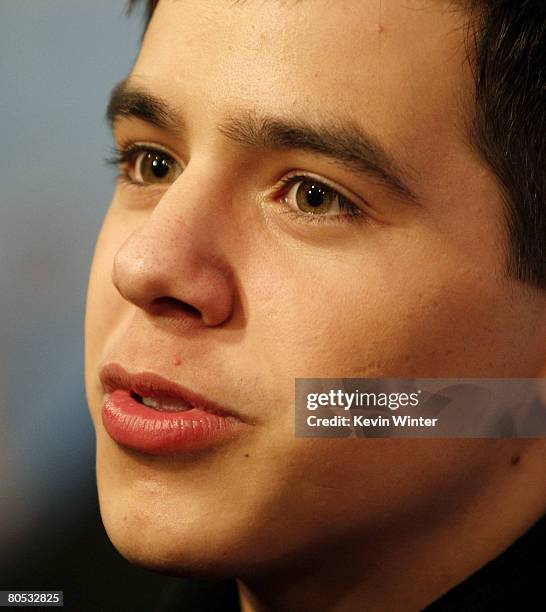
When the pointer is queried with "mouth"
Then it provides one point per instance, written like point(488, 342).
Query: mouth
point(163, 402)
point(165, 406)
point(152, 414)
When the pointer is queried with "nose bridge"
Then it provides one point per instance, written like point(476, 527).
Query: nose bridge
point(175, 257)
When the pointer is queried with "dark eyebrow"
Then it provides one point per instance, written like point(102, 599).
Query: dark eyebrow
point(344, 142)
point(128, 100)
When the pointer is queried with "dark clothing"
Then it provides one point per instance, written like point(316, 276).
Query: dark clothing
point(515, 580)
point(201, 596)
point(512, 581)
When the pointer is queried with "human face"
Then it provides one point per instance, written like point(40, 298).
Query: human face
point(220, 277)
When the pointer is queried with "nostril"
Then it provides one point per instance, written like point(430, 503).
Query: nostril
point(168, 305)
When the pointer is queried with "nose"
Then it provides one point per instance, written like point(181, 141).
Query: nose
point(172, 266)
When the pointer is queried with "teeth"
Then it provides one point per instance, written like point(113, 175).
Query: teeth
point(172, 405)
point(151, 403)
point(166, 405)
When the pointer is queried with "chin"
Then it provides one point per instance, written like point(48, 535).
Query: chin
point(155, 544)
point(171, 538)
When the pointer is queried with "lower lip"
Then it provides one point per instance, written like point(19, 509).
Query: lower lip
point(136, 426)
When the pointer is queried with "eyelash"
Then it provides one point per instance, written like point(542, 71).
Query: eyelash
point(352, 213)
point(123, 155)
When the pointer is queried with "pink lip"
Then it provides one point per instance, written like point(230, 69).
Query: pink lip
point(170, 431)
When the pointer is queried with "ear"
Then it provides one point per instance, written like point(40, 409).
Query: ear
point(541, 383)
point(542, 372)
point(541, 331)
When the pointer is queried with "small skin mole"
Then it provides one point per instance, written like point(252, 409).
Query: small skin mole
point(380, 28)
point(177, 361)
point(515, 460)
point(246, 454)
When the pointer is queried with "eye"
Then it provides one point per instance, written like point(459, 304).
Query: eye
point(144, 165)
point(313, 197)
point(153, 167)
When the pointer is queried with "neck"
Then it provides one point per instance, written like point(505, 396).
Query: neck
point(405, 565)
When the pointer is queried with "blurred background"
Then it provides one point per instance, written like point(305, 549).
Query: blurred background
point(59, 60)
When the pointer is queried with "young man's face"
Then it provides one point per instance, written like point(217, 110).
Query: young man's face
point(236, 267)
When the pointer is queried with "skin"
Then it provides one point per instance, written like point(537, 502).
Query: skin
point(416, 290)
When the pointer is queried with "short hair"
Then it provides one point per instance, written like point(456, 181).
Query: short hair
point(507, 128)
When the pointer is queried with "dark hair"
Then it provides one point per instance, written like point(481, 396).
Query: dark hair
point(150, 7)
point(508, 126)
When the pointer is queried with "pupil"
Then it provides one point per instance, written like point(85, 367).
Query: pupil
point(160, 167)
point(315, 196)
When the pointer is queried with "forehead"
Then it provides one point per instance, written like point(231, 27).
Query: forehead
point(377, 61)
point(346, 42)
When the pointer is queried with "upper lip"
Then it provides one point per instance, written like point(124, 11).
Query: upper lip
point(148, 384)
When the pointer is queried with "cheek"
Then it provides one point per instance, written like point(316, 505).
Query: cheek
point(370, 319)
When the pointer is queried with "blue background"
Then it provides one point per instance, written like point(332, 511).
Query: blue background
point(59, 60)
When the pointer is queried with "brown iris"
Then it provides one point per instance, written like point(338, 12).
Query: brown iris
point(314, 197)
point(155, 167)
